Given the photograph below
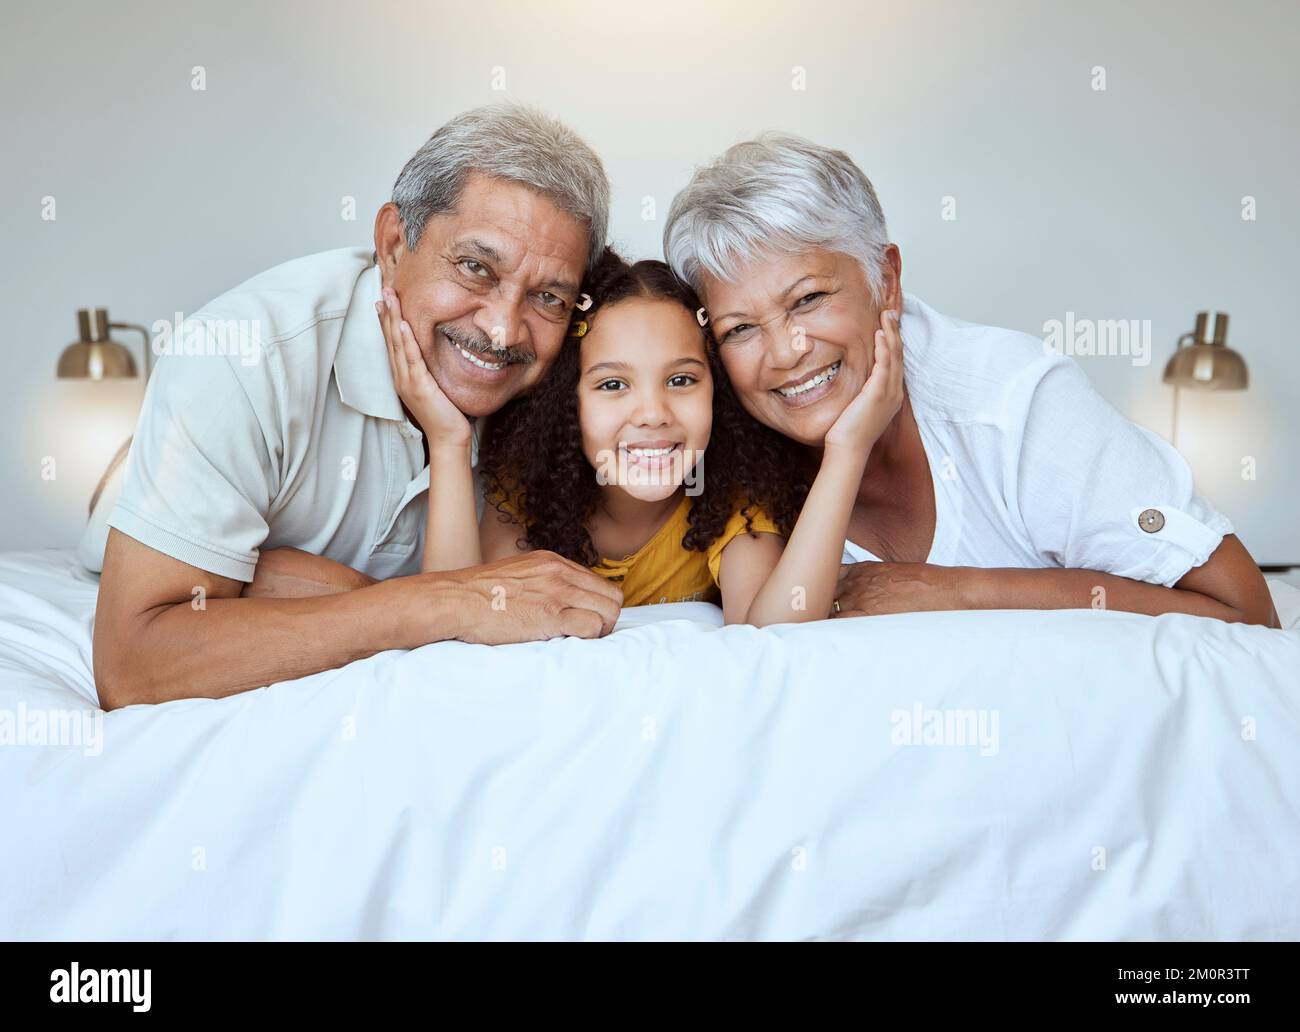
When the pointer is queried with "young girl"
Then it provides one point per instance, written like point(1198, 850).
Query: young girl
point(605, 462)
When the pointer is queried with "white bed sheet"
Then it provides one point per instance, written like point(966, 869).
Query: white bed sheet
point(674, 780)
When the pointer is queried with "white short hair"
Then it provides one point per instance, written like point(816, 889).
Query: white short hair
point(776, 193)
point(508, 141)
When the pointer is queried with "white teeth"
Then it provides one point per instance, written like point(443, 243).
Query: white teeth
point(810, 383)
point(649, 452)
point(478, 361)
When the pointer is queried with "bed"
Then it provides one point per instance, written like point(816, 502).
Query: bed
point(992, 775)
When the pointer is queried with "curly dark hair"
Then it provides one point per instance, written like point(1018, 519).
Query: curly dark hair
point(532, 451)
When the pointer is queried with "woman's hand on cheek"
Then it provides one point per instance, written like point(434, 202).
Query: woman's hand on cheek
point(865, 418)
point(441, 421)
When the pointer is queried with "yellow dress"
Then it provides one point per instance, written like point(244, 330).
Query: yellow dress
point(662, 570)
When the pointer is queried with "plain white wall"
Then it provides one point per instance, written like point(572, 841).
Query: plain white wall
point(1122, 203)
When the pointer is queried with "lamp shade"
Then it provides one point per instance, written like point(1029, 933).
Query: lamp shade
point(1207, 365)
point(95, 356)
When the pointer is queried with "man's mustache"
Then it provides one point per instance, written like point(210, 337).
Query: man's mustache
point(480, 345)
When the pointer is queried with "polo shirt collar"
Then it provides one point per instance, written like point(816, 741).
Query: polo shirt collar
point(361, 369)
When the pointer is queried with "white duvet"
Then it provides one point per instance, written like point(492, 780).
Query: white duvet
point(1063, 775)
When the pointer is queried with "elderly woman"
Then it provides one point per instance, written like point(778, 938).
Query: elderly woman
point(1003, 481)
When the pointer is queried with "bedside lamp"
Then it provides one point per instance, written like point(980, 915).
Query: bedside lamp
point(1205, 364)
point(96, 355)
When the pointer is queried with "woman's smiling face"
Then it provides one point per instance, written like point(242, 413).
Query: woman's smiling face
point(645, 396)
point(796, 334)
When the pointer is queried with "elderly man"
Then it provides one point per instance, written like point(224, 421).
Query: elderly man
point(492, 225)
point(1004, 481)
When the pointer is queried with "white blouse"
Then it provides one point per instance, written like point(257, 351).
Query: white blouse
point(1032, 468)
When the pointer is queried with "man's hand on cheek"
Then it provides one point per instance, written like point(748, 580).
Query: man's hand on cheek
point(441, 421)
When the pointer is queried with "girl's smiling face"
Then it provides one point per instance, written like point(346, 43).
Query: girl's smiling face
point(645, 396)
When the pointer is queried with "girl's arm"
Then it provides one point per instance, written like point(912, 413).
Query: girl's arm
point(451, 531)
point(802, 580)
point(799, 581)
point(499, 539)
point(747, 563)
point(451, 538)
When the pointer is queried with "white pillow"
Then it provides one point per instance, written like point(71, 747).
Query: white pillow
point(696, 612)
point(1286, 600)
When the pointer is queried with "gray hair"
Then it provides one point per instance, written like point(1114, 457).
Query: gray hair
point(779, 193)
point(508, 141)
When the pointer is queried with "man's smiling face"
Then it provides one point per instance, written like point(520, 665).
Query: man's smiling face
point(489, 289)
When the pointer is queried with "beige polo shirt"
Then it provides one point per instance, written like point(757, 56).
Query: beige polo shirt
point(271, 421)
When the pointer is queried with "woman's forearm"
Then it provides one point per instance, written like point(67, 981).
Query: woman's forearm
point(1087, 589)
point(802, 586)
point(1227, 586)
point(451, 539)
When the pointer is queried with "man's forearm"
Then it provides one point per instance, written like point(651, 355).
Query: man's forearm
point(165, 630)
point(293, 573)
point(230, 645)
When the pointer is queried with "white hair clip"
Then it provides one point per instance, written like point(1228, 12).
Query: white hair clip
point(583, 302)
point(702, 317)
